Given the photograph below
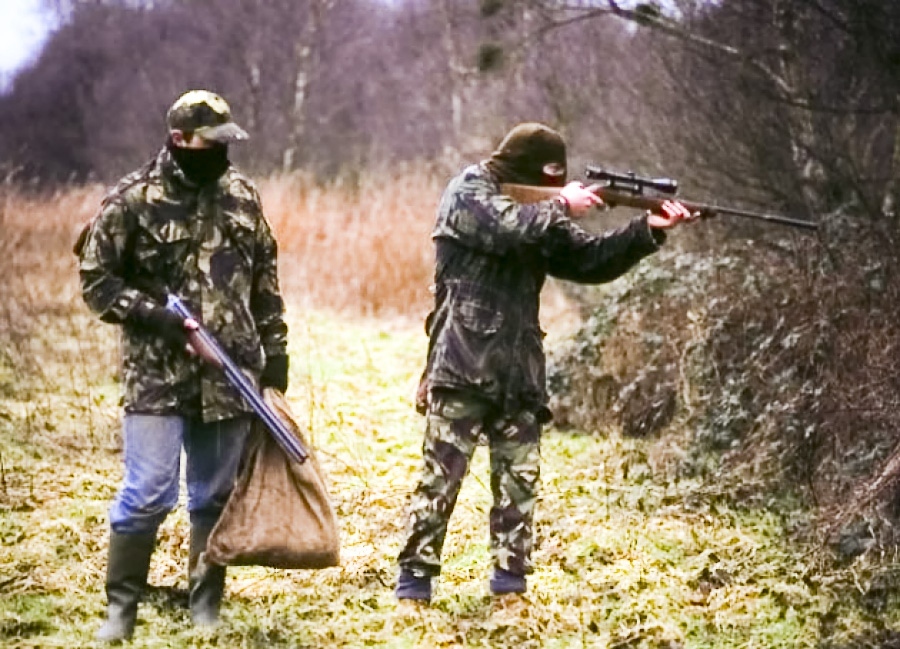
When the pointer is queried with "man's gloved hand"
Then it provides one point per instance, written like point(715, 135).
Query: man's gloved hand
point(275, 373)
point(161, 322)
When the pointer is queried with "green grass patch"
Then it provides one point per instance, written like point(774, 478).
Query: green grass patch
point(623, 557)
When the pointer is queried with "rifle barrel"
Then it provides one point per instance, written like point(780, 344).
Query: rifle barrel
point(280, 431)
point(764, 216)
point(642, 201)
point(613, 197)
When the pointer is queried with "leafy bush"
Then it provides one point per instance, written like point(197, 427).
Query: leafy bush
point(775, 369)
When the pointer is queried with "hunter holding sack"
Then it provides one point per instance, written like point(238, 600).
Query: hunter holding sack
point(485, 370)
point(187, 223)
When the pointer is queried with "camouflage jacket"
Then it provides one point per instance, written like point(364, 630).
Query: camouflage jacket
point(492, 257)
point(212, 247)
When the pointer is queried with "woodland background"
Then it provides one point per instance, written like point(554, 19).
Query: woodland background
point(758, 359)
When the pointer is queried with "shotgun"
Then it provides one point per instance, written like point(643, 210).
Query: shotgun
point(239, 381)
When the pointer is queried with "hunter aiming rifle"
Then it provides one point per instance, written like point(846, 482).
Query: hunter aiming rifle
point(629, 190)
point(239, 381)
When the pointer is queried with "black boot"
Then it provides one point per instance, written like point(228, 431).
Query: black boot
point(409, 586)
point(504, 582)
point(207, 582)
point(126, 578)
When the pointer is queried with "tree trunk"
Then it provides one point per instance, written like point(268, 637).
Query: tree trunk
point(306, 56)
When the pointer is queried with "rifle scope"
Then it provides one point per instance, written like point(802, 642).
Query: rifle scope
point(631, 182)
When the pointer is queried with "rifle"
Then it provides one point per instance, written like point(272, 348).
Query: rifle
point(239, 381)
point(629, 190)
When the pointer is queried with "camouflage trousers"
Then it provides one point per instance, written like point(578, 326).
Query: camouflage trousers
point(453, 428)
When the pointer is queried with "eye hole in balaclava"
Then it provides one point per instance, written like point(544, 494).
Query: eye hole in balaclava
point(530, 154)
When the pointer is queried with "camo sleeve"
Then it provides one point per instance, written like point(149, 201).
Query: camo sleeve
point(475, 214)
point(574, 254)
point(102, 266)
point(266, 303)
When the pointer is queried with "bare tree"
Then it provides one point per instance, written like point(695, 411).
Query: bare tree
point(795, 113)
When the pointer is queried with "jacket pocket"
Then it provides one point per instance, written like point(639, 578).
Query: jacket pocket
point(161, 249)
point(479, 318)
point(470, 349)
point(240, 231)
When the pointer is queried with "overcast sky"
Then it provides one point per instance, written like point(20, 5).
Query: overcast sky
point(23, 28)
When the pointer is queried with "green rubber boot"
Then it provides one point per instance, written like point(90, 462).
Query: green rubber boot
point(207, 582)
point(126, 579)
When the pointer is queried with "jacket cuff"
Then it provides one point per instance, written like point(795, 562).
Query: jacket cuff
point(124, 304)
point(655, 237)
point(275, 373)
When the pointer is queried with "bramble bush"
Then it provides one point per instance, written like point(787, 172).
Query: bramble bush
point(759, 364)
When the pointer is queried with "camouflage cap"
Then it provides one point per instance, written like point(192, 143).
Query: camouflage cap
point(206, 114)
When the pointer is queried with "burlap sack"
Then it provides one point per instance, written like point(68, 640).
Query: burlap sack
point(279, 514)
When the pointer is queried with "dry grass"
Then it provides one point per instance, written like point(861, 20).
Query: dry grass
point(364, 248)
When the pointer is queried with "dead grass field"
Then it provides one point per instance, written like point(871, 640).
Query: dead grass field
point(625, 558)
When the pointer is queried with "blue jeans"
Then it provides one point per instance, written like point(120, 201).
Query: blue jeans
point(152, 469)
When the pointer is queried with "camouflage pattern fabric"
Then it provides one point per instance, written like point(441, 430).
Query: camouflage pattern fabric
point(212, 247)
point(206, 114)
point(485, 373)
point(493, 256)
point(454, 424)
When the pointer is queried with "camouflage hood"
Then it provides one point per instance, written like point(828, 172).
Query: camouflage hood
point(525, 153)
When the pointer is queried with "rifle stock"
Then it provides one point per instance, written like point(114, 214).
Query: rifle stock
point(614, 197)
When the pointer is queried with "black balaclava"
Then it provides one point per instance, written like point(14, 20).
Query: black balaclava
point(201, 166)
point(523, 155)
